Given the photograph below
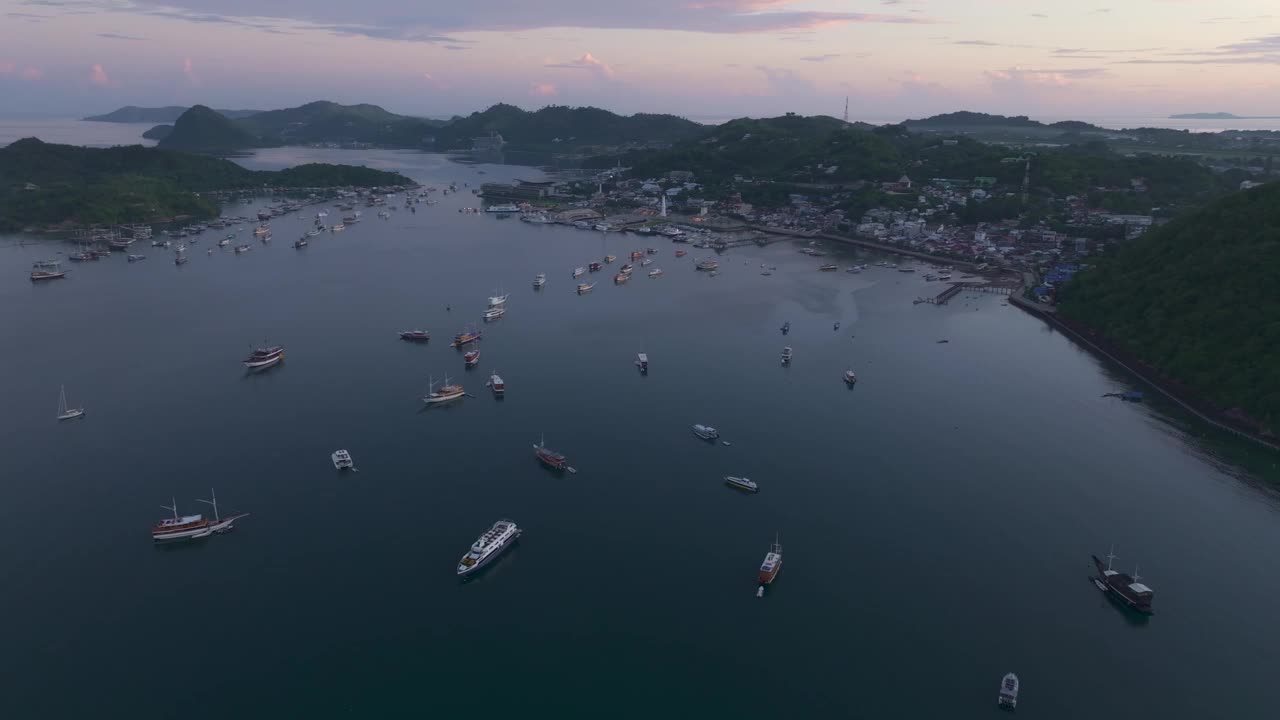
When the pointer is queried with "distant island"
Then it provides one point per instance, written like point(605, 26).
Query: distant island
point(135, 114)
point(554, 129)
point(1221, 116)
point(58, 187)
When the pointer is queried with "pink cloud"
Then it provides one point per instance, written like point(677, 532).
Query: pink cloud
point(542, 90)
point(586, 61)
point(189, 73)
point(8, 68)
point(32, 73)
point(98, 76)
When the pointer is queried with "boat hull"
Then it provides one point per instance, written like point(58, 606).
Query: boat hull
point(263, 364)
point(487, 560)
point(189, 534)
point(437, 399)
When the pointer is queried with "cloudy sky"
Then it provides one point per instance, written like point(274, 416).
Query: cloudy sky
point(700, 58)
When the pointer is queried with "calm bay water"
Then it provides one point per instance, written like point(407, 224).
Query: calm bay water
point(937, 519)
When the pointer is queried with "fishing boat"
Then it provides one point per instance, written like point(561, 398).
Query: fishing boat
point(708, 265)
point(496, 384)
point(706, 432)
point(489, 546)
point(300, 243)
point(415, 335)
point(656, 272)
point(849, 377)
point(180, 527)
point(494, 313)
point(579, 271)
point(621, 278)
point(471, 358)
point(626, 269)
point(594, 267)
point(136, 258)
point(828, 268)
point(741, 483)
point(539, 280)
point(447, 392)
point(1120, 586)
point(610, 258)
point(637, 254)
point(47, 270)
point(65, 412)
point(786, 327)
point(771, 566)
point(584, 288)
point(262, 358)
point(681, 253)
point(342, 460)
point(548, 457)
point(468, 335)
point(1008, 698)
point(786, 355)
point(642, 362)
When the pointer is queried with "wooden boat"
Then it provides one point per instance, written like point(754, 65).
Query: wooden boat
point(415, 335)
point(447, 392)
point(471, 358)
point(771, 566)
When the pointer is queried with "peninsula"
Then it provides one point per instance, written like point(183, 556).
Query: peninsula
point(58, 187)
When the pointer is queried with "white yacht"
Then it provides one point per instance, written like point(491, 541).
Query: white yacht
point(539, 280)
point(490, 545)
point(500, 298)
point(65, 412)
point(706, 432)
point(342, 460)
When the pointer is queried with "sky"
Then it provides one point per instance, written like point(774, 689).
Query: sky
point(704, 59)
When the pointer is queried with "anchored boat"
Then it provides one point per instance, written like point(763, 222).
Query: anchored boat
point(770, 567)
point(849, 377)
point(706, 432)
point(415, 335)
point(342, 460)
point(741, 483)
point(496, 384)
point(489, 546)
point(1008, 698)
point(263, 358)
point(64, 412)
point(1122, 587)
point(447, 392)
point(550, 458)
point(471, 358)
point(642, 362)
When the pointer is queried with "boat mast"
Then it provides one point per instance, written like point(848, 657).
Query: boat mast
point(1136, 576)
point(174, 507)
point(213, 502)
point(1111, 555)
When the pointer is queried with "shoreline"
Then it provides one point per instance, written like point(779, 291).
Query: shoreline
point(1186, 398)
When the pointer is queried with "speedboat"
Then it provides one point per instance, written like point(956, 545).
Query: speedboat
point(539, 280)
point(657, 272)
point(642, 362)
point(300, 243)
point(741, 483)
point(646, 261)
point(584, 288)
point(471, 358)
point(579, 271)
point(262, 358)
point(243, 248)
point(489, 546)
point(708, 265)
point(415, 335)
point(136, 258)
point(1008, 698)
point(849, 377)
point(828, 268)
point(621, 278)
point(706, 432)
point(342, 460)
point(594, 267)
point(610, 258)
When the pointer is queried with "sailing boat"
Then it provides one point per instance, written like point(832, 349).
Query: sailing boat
point(64, 412)
point(220, 524)
point(498, 299)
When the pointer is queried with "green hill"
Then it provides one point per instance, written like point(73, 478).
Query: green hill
point(202, 129)
point(44, 185)
point(324, 121)
point(135, 114)
point(1198, 301)
point(560, 128)
point(158, 132)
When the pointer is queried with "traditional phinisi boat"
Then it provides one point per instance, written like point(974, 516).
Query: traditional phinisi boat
point(447, 392)
point(771, 566)
point(262, 358)
point(497, 385)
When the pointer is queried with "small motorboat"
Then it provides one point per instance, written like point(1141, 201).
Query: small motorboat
point(415, 335)
point(584, 288)
point(300, 243)
point(342, 460)
point(646, 262)
point(849, 377)
point(706, 432)
point(471, 358)
point(136, 258)
point(656, 272)
point(786, 327)
point(621, 278)
point(1008, 698)
point(786, 355)
point(594, 267)
point(828, 268)
point(610, 258)
point(681, 253)
point(579, 271)
point(741, 483)
point(642, 362)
